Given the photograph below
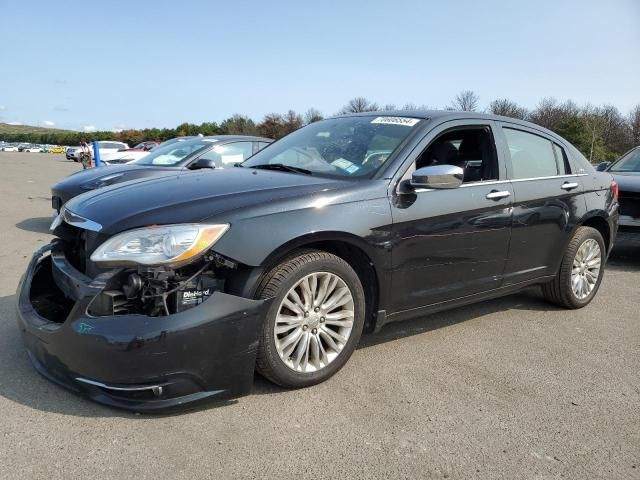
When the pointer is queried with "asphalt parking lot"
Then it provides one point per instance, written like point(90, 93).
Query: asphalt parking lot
point(510, 388)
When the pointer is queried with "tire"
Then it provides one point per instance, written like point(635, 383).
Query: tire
point(301, 267)
point(560, 291)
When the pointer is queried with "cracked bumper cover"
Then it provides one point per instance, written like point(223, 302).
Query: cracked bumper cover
point(138, 362)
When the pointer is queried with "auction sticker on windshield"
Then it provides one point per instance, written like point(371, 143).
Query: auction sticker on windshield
point(405, 121)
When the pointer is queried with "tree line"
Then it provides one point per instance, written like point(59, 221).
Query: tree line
point(599, 132)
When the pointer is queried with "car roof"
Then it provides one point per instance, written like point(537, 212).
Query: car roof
point(448, 115)
point(233, 138)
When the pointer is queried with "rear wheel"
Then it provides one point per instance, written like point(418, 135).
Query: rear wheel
point(581, 270)
point(315, 321)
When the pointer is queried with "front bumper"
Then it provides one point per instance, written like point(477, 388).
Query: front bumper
point(136, 362)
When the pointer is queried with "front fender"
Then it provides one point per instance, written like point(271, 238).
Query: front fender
point(253, 241)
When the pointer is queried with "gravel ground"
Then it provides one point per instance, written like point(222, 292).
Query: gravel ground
point(510, 388)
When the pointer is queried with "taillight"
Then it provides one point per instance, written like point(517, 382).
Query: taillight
point(616, 190)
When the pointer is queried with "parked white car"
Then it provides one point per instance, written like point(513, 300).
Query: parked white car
point(105, 147)
point(9, 148)
point(118, 158)
point(34, 149)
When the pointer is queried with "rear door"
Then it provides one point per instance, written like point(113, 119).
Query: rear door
point(547, 198)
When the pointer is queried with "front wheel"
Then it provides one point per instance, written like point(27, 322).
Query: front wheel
point(581, 270)
point(315, 321)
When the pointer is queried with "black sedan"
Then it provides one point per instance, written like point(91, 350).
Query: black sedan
point(221, 151)
point(626, 172)
point(171, 291)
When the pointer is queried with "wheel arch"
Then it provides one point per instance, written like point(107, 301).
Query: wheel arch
point(349, 247)
point(600, 223)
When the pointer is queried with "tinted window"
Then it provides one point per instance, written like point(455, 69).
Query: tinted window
point(229, 154)
point(531, 155)
point(629, 163)
point(470, 148)
point(172, 154)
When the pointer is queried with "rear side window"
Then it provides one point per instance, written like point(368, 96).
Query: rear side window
point(531, 155)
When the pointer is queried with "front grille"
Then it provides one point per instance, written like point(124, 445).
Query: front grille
point(78, 244)
point(56, 203)
point(75, 250)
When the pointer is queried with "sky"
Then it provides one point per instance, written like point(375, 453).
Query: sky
point(115, 64)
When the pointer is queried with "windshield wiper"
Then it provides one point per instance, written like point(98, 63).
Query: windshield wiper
point(282, 167)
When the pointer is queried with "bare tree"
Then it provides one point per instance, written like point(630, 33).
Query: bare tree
point(359, 104)
point(389, 106)
point(466, 101)
point(508, 108)
point(634, 124)
point(549, 113)
point(291, 121)
point(413, 106)
point(312, 115)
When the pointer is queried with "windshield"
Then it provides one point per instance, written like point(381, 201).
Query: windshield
point(629, 163)
point(174, 153)
point(338, 147)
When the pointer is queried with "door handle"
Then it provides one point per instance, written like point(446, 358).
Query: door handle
point(569, 185)
point(497, 195)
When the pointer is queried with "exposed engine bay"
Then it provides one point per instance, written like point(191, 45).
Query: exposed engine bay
point(151, 291)
point(157, 291)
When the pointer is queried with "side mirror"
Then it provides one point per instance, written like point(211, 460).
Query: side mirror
point(601, 167)
point(202, 163)
point(148, 147)
point(437, 176)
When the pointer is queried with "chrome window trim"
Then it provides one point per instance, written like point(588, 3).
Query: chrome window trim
point(550, 177)
point(484, 182)
point(500, 182)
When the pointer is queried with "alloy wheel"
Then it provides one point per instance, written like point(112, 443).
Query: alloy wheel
point(314, 322)
point(586, 268)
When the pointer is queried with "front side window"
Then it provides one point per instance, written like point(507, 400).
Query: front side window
point(531, 155)
point(229, 154)
point(338, 147)
point(470, 148)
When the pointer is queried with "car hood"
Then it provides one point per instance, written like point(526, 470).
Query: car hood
point(91, 174)
point(193, 197)
point(627, 181)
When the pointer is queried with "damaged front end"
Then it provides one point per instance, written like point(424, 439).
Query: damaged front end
point(140, 337)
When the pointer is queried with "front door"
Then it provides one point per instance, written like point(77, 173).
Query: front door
point(452, 243)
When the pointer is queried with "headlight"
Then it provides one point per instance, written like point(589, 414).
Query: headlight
point(172, 245)
point(101, 182)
